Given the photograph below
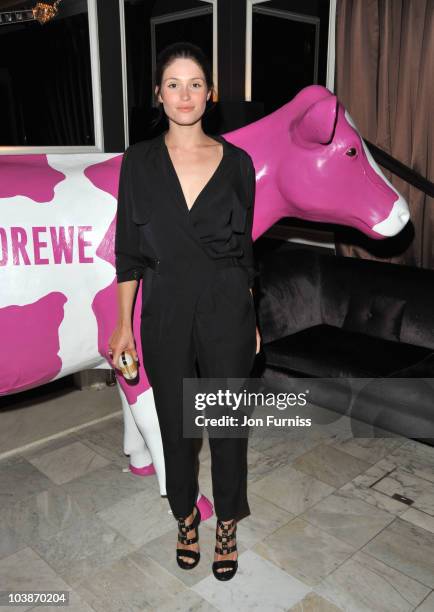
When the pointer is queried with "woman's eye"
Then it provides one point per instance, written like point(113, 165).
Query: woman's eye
point(170, 84)
point(198, 84)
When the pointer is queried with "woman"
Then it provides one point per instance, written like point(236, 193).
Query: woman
point(184, 225)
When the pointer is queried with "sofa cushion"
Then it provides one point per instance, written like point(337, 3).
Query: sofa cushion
point(375, 315)
point(289, 297)
point(327, 351)
point(347, 283)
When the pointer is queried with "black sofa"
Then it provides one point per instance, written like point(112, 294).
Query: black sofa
point(341, 318)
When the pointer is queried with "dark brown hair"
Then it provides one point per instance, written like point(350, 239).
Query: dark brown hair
point(172, 52)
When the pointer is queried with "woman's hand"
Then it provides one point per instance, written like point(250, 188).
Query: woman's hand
point(258, 340)
point(122, 339)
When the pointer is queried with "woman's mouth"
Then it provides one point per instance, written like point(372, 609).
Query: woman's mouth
point(185, 109)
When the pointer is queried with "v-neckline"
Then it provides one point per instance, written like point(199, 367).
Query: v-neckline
point(216, 171)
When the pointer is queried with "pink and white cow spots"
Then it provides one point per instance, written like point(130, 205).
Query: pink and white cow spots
point(102, 176)
point(30, 342)
point(58, 225)
point(53, 237)
point(40, 178)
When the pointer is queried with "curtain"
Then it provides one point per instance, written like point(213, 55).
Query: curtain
point(384, 77)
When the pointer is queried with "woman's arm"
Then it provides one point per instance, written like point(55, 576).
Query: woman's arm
point(122, 338)
point(128, 258)
point(128, 263)
point(126, 291)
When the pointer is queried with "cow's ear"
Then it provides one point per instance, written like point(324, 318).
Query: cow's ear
point(318, 122)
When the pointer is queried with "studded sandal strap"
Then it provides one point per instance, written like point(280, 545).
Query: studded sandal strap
point(224, 548)
point(182, 537)
point(183, 525)
point(185, 540)
point(184, 529)
point(225, 537)
point(226, 527)
point(225, 551)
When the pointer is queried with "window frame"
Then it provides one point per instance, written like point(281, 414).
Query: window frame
point(282, 14)
point(98, 147)
point(279, 231)
point(186, 14)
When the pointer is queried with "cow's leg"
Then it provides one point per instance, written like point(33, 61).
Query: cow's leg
point(142, 441)
point(134, 442)
point(146, 420)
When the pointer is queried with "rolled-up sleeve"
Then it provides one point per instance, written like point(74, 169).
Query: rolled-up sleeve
point(128, 258)
point(247, 259)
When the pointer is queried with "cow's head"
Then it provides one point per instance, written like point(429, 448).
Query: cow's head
point(329, 175)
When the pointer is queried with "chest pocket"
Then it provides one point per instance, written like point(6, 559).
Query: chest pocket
point(142, 212)
point(143, 209)
point(141, 215)
point(143, 204)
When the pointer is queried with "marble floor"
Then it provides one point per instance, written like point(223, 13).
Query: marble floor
point(337, 523)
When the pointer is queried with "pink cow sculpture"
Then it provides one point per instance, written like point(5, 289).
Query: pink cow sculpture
point(58, 298)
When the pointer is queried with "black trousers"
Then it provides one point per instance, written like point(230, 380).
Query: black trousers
point(205, 323)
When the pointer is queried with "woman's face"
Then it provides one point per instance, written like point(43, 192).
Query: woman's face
point(183, 91)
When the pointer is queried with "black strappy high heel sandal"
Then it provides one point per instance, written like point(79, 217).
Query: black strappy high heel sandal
point(182, 537)
point(224, 549)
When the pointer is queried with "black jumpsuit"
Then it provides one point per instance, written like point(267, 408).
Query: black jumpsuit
point(197, 267)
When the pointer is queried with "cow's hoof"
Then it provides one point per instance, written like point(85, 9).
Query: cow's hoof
point(206, 508)
point(148, 470)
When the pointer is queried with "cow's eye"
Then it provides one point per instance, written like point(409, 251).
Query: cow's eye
point(351, 152)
